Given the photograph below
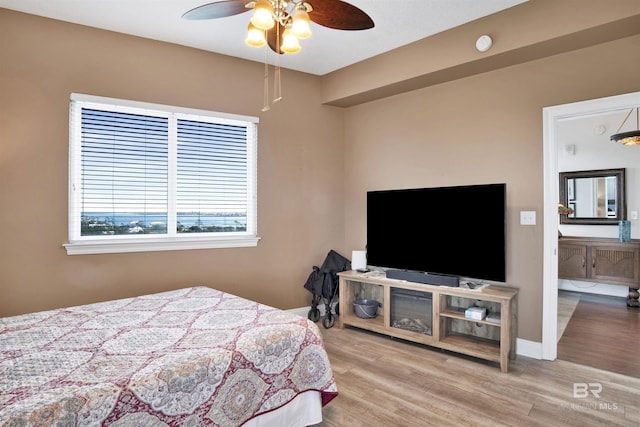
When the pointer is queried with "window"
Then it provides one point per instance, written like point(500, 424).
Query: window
point(147, 177)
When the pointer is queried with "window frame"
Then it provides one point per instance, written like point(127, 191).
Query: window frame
point(79, 245)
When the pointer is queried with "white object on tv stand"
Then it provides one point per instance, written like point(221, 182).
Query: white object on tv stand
point(352, 284)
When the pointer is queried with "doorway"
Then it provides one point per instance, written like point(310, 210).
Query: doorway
point(552, 116)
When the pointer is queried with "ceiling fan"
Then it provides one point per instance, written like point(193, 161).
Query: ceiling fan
point(280, 23)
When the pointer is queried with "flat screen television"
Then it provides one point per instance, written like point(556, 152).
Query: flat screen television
point(458, 231)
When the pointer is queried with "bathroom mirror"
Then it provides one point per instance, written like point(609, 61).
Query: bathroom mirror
point(597, 197)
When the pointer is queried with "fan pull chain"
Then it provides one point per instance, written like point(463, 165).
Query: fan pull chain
point(277, 87)
point(265, 99)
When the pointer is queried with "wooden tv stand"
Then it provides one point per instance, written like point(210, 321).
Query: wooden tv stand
point(449, 329)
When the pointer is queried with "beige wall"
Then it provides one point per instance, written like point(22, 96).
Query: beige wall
point(461, 117)
point(300, 190)
point(455, 125)
point(481, 129)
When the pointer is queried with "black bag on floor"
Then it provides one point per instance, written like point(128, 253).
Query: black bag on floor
point(323, 285)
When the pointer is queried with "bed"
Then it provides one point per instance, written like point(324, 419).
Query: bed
point(190, 357)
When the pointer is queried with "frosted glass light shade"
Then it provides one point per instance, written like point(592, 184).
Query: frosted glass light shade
point(300, 24)
point(290, 42)
point(255, 37)
point(263, 15)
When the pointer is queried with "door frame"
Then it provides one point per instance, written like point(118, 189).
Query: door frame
point(551, 115)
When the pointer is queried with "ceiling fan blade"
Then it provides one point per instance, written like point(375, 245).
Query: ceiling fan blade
point(272, 38)
point(219, 9)
point(339, 15)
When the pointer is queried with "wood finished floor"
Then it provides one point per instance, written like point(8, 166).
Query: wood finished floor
point(567, 303)
point(603, 333)
point(389, 382)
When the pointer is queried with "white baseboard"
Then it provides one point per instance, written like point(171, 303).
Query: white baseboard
point(304, 311)
point(593, 288)
point(530, 349)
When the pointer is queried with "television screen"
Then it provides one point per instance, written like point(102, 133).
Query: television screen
point(459, 231)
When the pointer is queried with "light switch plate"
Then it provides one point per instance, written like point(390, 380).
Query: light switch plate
point(527, 217)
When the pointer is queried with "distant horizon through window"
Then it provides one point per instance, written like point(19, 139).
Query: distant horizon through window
point(138, 171)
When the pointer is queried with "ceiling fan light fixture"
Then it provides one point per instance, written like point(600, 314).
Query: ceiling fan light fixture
point(255, 36)
point(281, 24)
point(301, 24)
point(263, 15)
point(290, 43)
point(628, 138)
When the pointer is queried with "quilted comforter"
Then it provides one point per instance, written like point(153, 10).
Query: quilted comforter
point(191, 357)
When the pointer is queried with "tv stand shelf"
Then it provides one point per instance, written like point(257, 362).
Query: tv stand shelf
point(444, 305)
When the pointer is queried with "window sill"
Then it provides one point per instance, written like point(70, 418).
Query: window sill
point(114, 246)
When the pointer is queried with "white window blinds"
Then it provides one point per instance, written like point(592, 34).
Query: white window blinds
point(212, 176)
point(152, 177)
point(124, 173)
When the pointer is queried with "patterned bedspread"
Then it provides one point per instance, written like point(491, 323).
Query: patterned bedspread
point(192, 357)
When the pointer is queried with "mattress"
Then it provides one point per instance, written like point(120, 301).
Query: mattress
point(190, 357)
